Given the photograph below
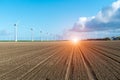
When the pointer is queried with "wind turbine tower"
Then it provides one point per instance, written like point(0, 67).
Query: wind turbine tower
point(15, 27)
point(40, 36)
point(32, 34)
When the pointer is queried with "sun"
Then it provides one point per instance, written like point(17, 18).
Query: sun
point(75, 40)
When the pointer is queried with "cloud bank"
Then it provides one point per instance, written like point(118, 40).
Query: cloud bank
point(106, 19)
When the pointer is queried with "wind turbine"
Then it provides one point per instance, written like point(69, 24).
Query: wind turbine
point(51, 36)
point(40, 36)
point(47, 36)
point(16, 32)
point(32, 34)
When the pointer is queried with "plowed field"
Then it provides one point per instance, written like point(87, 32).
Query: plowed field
point(87, 60)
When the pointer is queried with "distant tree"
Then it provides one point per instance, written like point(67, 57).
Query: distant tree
point(118, 38)
point(107, 38)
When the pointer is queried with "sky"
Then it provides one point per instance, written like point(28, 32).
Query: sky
point(58, 17)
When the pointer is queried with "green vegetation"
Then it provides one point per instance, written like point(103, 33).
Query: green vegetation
point(27, 41)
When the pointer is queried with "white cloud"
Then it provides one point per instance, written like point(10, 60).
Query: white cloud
point(81, 22)
point(116, 5)
point(107, 18)
point(107, 13)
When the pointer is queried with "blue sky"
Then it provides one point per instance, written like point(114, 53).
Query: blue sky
point(52, 16)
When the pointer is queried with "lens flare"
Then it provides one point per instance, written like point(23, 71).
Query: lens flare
point(75, 40)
